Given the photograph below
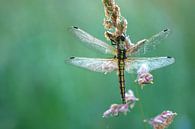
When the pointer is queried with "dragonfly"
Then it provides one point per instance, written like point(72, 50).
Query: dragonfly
point(123, 55)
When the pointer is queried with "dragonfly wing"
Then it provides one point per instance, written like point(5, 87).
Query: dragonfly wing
point(94, 64)
point(92, 41)
point(132, 65)
point(142, 46)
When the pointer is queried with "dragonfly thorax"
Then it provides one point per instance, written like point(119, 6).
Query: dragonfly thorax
point(120, 42)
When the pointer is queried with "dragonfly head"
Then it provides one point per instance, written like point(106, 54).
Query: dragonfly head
point(122, 38)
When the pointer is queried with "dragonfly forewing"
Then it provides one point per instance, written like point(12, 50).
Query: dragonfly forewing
point(145, 45)
point(153, 63)
point(94, 64)
point(92, 41)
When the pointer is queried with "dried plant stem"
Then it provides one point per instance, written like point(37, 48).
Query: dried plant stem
point(113, 20)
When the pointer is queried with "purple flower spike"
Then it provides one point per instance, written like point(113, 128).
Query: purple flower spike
point(123, 108)
point(116, 109)
point(163, 120)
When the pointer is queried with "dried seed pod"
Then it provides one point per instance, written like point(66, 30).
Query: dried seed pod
point(108, 24)
point(114, 20)
point(110, 36)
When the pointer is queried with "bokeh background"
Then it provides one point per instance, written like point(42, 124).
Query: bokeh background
point(39, 91)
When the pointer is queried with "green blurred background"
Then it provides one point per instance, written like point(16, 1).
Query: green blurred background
point(39, 91)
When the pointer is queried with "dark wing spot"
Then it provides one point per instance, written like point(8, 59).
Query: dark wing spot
point(72, 57)
point(75, 27)
point(165, 30)
point(169, 57)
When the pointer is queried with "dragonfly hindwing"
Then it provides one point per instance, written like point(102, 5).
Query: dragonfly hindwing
point(145, 45)
point(133, 64)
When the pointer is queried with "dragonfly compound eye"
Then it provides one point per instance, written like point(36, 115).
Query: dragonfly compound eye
point(122, 38)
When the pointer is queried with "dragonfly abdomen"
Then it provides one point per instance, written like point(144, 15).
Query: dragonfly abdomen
point(121, 56)
point(121, 77)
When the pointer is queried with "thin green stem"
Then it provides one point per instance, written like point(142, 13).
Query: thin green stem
point(141, 108)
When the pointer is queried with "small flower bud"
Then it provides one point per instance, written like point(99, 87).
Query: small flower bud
point(143, 75)
point(130, 98)
point(145, 78)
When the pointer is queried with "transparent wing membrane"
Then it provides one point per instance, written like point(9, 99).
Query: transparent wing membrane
point(142, 46)
point(133, 64)
point(94, 64)
point(92, 41)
